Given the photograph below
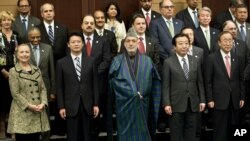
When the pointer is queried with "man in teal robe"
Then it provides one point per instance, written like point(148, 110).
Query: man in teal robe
point(136, 91)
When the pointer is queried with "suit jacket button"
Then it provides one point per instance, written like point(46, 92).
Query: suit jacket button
point(38, 98)
point(30, 85)
point(36, 84)
point(31, 92)
point(37, 91)
point(33, 99)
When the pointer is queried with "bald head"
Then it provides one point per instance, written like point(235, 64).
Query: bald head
point(230, 27)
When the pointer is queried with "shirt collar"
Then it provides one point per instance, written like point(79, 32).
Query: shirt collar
point(180, 58)
point(191, 10)
point(204, 28)
point(224, 54)
point(22, 17)
point(47, 25)
point(90, 36)
point(74, 56)
point(144, 12)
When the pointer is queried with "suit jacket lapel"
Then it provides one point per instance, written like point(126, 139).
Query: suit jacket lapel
point(221, 63)
point(164, 26)
point(178, 65)
point(72, 66)
point(232, 65)
point(148, 45)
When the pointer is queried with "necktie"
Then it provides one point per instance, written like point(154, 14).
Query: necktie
point(185, 68)
point(208, 38)
point(141, 46)
point(234, 47)
point(195, 19)
point(78, 68)
point(228, 66)
point(51, 35)
point(100, 33)
point(242, 32)
point(170, 28)
point(148, 19)
point(88, 46)
point(36, 54)
point(24, 25)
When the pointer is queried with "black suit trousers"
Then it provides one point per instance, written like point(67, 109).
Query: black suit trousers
point(79, 126)
point(183, 125)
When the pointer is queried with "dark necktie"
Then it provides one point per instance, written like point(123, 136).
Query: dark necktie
point(88, 46)
point(141, 46)
point(242, 32)
point(78, 68)
point(24, 25)
point(51, 35)
point(185, 68)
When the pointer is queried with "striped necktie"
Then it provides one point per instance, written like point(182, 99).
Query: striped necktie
point(78, 68)
point(51, 35)
point(185, 68)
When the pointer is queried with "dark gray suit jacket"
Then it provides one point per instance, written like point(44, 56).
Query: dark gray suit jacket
point(247, 34)
point(160, 32)
point(17, 26)
point(177, 89)
point(46, 65)
point(186, 18)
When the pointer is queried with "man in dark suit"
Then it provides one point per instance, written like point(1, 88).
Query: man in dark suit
point(224, 70)
point(109, 36)
point(189, 15)
point(52, 32)
point(205, 36)
point(42, 57)
point(226, 15)
point(77, 90)
point(97, 48)
point(164, 28)
point(23, 21)
point(183, 91)
point(241, 15)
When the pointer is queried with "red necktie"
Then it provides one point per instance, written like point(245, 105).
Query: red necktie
point(148, 19)
point(228, 66)
point(141, 46)
point(88, 46)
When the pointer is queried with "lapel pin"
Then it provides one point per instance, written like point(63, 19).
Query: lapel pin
point(97, 42)
point(154, 16)
point(32, 24)
point(176, 22)
point(196, 56)
point(42, 50)
point(248, 28)
point(237, 43)
point(233, 60)
point(213, 32)
point(57, 27)
point(149, 43)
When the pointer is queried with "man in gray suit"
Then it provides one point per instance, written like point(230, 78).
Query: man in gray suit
point(23, 21)
point(241, 15)
point(183, 91)
point(42, 57)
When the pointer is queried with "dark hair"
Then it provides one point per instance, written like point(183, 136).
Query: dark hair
point(75, 33)
point(135, 16)
point(240, 6)
point(118, 11)
point(186, 27)
point(222, 33)
point(18, 2)
point(178, 36)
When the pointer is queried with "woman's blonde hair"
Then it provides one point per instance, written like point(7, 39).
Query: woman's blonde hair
point(6, 15)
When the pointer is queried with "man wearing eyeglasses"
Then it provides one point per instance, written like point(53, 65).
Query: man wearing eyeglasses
point(164, 28)
point(24, 21)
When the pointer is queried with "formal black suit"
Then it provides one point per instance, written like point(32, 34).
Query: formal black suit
point(60, 39)
point(200, 40)
point(186, 18)
point(183, 95)
point(17, 26)
point(225, 91)
point(109, 36)
point(221, 18)
point(77, 97)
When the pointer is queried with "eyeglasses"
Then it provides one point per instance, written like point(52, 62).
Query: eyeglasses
point(146, 0)
point(24, 6)
point(168, 6)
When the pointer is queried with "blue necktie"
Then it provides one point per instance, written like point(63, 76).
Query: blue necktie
point(185, 68)
point(78, 68)
point(51, 35)
point(242, 32)
point(195, 19)
point(24, 25)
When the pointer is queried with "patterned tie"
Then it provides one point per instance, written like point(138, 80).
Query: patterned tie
point(78, 68)
point(141, 46)
point(242, 32)
point(195, 19)
point(51, 35)
point(171, 28)
point(88, 46)
point(148, 19)
point(24, 25)
point(100, 33)
point(228, 66)
point(208, 38)
point(185, 68)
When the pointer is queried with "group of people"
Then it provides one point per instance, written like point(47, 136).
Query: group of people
point(165, 68)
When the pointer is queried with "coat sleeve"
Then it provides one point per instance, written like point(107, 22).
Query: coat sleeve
point(43, 91)
point(209, 79)
point(59, 85)
point(166, 75)
point(15, 90)
point(52, 72)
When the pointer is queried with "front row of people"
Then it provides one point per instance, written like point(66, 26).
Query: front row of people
point(135, 87)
